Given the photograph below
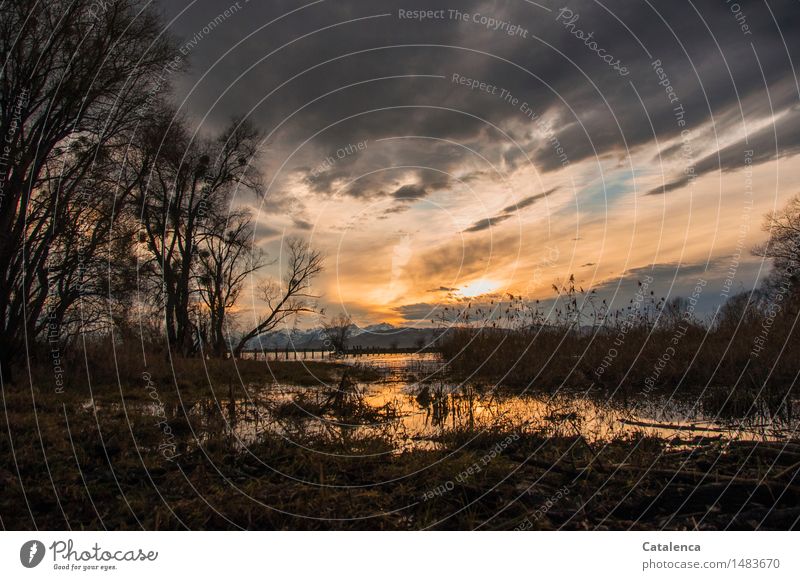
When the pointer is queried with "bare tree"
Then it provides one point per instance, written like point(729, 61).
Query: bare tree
point(337, 331)
point(73, 83)
point(783, 246)
point(228, 256)
point(188, 187)
point(290, 297)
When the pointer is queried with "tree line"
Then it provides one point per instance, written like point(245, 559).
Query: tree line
point(112, 210)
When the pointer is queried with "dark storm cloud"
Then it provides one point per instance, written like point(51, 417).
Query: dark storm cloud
point(575, 101)
point(508, 212)
point(780, 139)
point(410, 192)
point(682, 276)
point(528, 201)
point(666, 272)
point(418, 311)
point(776, 140)
point(678, 183)
point(668, 280)
point(486, 223)
point(302, 224)
point(374, 173)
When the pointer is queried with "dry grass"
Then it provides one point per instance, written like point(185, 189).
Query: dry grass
point(716, 365)
point(66, 467)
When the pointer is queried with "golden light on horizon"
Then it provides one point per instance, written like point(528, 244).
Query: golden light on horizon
point(478, 288)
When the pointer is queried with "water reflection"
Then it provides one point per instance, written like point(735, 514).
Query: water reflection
point(412, 406)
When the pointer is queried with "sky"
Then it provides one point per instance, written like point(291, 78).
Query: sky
point(442, 153)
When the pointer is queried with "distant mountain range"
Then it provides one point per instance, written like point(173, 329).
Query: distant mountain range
point(382, 335)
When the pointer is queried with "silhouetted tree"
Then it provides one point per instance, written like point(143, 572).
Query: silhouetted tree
point(188, 187)
point(73, 84)
point(228, 256)
point(291, 296)
point(337, 331)
point(783, 247)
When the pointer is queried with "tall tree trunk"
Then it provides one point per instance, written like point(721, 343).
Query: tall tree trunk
point(6, 360)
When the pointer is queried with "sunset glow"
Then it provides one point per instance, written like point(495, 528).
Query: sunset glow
point(478, 288)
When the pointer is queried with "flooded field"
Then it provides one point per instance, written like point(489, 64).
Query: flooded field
point(413, 403)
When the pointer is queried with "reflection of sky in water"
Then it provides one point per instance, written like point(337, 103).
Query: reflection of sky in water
point(411, 408)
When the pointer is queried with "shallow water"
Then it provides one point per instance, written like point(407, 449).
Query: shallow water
point(413, 405)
